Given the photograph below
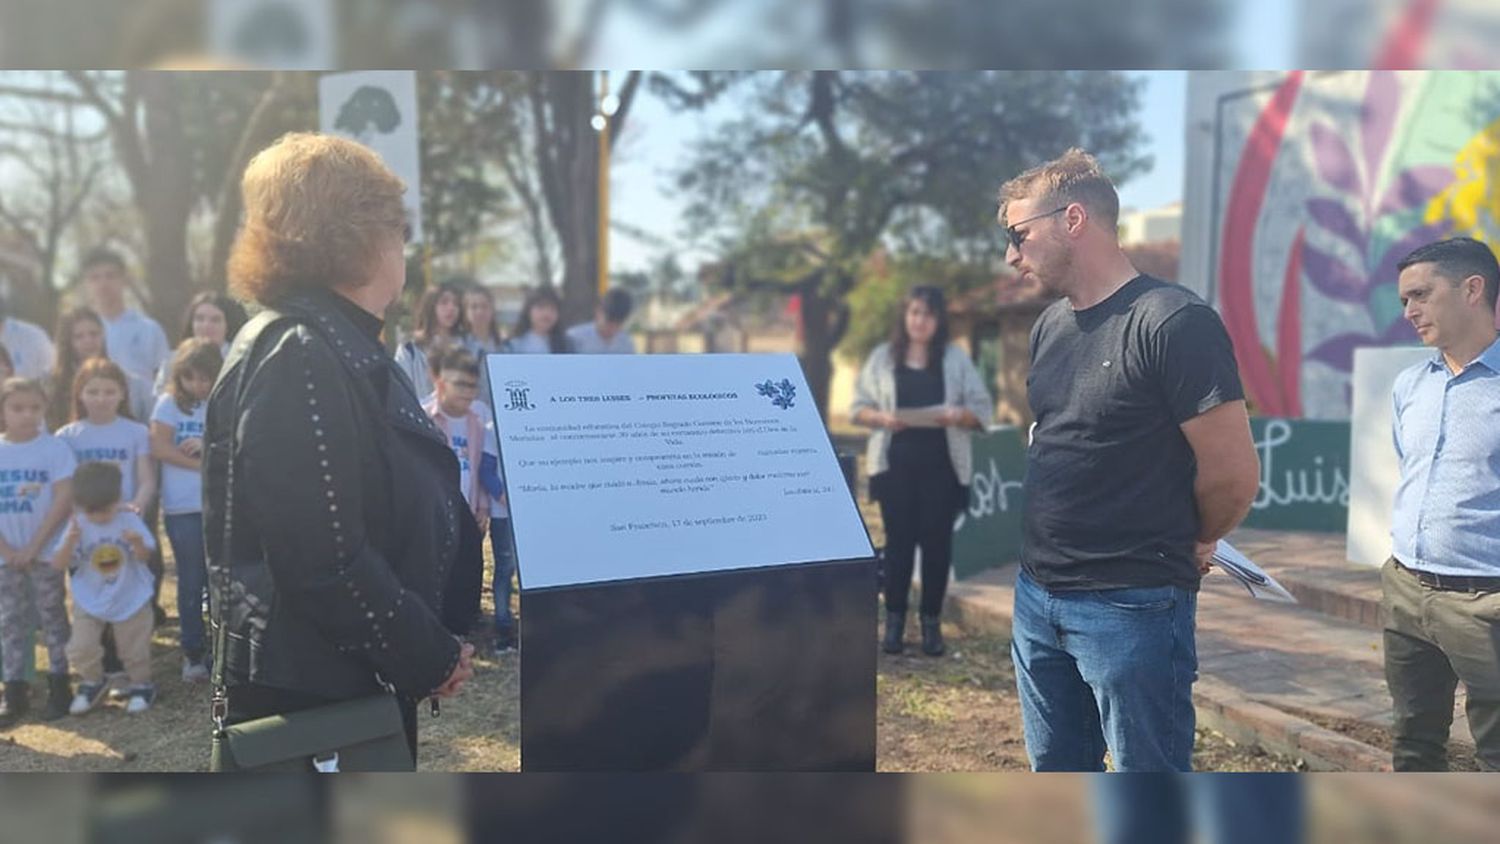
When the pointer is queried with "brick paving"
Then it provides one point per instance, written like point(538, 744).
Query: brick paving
point(1263, 665)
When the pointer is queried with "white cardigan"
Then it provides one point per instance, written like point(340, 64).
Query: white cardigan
point(962, 387)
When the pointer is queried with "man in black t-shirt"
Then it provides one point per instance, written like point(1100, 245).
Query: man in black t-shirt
point(1140, 461)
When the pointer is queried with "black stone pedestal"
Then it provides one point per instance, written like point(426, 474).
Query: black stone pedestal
point(768, 669)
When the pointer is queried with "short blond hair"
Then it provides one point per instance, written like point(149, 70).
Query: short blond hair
point(316, 210)
point(1074, 176)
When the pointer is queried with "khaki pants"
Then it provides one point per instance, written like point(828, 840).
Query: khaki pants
point(1433, 639)
point(132, 640)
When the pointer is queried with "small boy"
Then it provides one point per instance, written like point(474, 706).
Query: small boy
point(454, 410)
point(105, 549)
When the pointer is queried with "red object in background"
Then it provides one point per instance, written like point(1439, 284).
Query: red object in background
point(794, 310)
point(1237, 301)
point(1402, 49)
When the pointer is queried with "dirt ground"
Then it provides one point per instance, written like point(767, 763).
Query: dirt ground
point(961, 712)
point(479, 731)
point(955, 713)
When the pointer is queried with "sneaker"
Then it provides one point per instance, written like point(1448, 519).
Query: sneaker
point(141, 698)
point(88, 697)
point(193, 672)
point(505, 639)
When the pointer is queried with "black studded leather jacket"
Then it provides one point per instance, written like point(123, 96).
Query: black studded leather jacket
point(331, 510)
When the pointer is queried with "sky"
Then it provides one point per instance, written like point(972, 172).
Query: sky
point(642, 195)
point(656, 139)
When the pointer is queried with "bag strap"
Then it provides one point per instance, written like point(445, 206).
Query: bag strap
point(219, 583)
point(219, 586)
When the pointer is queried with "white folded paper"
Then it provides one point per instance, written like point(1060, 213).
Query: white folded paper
point(921, 417)
point(1252, 577)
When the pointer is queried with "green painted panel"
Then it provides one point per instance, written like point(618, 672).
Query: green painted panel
point(1304, 486)
point(1304, 475)
point(988, 533)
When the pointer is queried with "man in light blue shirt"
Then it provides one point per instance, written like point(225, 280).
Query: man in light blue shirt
point(1442, 583)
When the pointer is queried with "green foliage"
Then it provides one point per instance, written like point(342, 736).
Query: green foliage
point(468, 119)
point(821, 168)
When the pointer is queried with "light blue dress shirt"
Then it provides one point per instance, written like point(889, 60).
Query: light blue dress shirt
point(1446, 518)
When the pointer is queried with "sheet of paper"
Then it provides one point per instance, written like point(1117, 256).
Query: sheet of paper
point(1249, 575)
point(626, 467)
point(921, 417)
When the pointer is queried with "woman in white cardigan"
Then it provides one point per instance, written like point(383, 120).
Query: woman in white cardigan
point(923, 399)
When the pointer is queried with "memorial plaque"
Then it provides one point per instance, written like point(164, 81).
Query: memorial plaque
point(697, 585)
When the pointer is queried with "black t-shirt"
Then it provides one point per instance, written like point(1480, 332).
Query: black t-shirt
point(917, 447)
point(1109, 473)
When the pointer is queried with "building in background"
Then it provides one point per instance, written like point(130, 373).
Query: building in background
point(1152, 225)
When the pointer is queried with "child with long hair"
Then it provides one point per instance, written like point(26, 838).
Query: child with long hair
point(79, 336)
point(35, 473)
point(440, 323)
point(103, 430)
point(539, 328)
point(177, 443)
point(485, 336)
point(212, 316)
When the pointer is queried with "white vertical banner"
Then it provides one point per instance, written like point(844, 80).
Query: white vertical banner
point(1374, 470)
point(378, 108)
point(274, 33)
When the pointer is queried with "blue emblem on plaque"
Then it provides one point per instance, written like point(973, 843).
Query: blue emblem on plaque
point(783, 395)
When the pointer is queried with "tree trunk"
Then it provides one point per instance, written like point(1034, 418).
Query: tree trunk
point(265, 125)
point(817, 344)
point(165, 198)
point(568, 163)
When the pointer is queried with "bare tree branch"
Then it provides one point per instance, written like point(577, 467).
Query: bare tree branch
point(28, 93)
point(627, 97)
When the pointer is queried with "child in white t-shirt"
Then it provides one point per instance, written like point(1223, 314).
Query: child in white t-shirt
point(103, 430)
point(105, 549)
point(452, 410)
point(35, 472)
point(177, 442)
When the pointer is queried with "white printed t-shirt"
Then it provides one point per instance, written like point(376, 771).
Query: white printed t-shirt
point(28, 472)
point(181, 489)
point(109, 583)
point(121, 442)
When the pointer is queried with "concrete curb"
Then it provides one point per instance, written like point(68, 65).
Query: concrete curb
point(982, 608)
point(1343, 601)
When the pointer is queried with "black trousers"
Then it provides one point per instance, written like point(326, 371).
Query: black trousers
point(918, 503)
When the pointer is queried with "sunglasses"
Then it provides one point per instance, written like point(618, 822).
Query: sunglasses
point(1018, 237)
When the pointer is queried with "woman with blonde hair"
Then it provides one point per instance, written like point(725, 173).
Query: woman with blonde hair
point(332, 508)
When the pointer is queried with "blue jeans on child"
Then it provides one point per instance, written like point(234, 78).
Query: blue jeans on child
point(505, 567)
point(1105, 669)
point(1227, 808)
point(185, 531)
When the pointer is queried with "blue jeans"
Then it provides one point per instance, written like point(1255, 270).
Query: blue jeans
point(1111, 668)
point(185, 531)
point(505, 567)
point(1228, 808)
